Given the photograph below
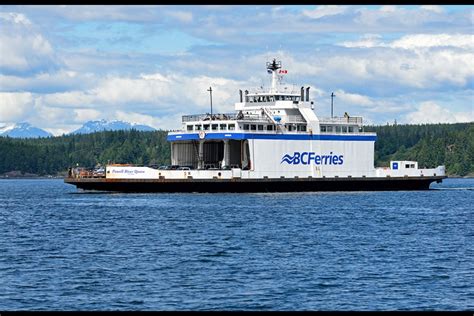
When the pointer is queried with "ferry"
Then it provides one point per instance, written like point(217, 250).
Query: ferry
point(272, 142)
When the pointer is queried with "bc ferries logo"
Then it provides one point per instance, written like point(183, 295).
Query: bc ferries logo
point(307, 158)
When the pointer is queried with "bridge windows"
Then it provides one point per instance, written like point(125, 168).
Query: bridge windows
point(270, 128)
point(214, 127)
point(189, 127)
point(253, 127)
point(301, 128)
point(206, 127)
point(246, 127)
point(223, 127)
point(260, 127)
point(231, 127)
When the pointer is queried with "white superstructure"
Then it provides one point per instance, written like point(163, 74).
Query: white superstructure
point(272, 134)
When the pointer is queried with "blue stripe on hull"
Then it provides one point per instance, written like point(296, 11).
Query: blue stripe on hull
point(240, 136)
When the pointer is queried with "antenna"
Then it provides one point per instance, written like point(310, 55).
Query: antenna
point(210, 93)
point(332, 103)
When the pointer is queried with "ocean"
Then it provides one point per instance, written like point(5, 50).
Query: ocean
point(61, 249)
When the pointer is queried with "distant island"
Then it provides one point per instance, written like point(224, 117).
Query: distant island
point(451, 145)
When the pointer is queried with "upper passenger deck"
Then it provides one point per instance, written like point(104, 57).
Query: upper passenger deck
point(282, 109)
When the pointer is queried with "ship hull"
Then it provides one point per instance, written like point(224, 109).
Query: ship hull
point(254, 185)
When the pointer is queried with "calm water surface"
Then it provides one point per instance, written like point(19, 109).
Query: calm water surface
point(65, 250)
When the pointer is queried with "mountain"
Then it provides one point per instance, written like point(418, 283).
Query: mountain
point(23, 130)
point(103, 125)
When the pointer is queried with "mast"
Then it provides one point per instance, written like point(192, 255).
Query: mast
point(272, 68)
point(210, 93)
point(332, 103)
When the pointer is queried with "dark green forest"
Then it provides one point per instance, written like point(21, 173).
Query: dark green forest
point(431, 145)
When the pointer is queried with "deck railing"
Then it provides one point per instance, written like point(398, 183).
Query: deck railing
point(339, 120)
point(237, 117)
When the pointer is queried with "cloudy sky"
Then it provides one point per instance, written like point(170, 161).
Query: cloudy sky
point(61, 66)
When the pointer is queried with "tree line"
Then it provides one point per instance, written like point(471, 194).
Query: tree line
point(431, 145)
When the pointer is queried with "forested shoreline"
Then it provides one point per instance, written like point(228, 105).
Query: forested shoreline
point(431, 145)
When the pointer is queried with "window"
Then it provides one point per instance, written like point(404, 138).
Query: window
point(206, 127)
point(269, 127)
point(223, 127)
point(214, 127)
point(231, 127)
point(260, 127)
point(302, 128)
point(412, 165)
point(190, 127)
point(277, 97)
point(197, 127)
point(329, 129)
point(351, 129)
point(246, 127)
point(407, 166)
point(289, 127)
point(323, 128)
point(338, 129)
point(253, 127)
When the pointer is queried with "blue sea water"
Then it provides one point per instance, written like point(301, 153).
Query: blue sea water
point(65, 250)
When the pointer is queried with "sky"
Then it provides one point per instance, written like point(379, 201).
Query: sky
point(61, 66)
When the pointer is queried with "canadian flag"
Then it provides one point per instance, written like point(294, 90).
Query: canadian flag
point(283, 71)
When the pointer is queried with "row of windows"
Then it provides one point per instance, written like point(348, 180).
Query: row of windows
point(295, 127)
point(337, 129)
point(271, 98)
point(259, 127)
point(246, 127)
point(214, 127)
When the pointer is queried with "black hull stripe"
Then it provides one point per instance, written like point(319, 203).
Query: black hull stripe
point(255, 185)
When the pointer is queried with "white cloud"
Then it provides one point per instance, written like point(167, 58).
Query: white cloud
point(119, 90)
point(15, 106)
point(182, 16)
point(17, 18)
point(367, 41)
point(68, 99)
point(22, 47)
point(47, 82)
point(83, 115)
point(388, 8)
point(425, 60)
point(354, 98)
point(431, 112)
point(465, 41)
point(136, 118)
point(415, 41)
point(432, 8)
point(324, 10)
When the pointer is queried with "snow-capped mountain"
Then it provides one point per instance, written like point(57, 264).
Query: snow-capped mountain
point(23, 130)
point(103, 125)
